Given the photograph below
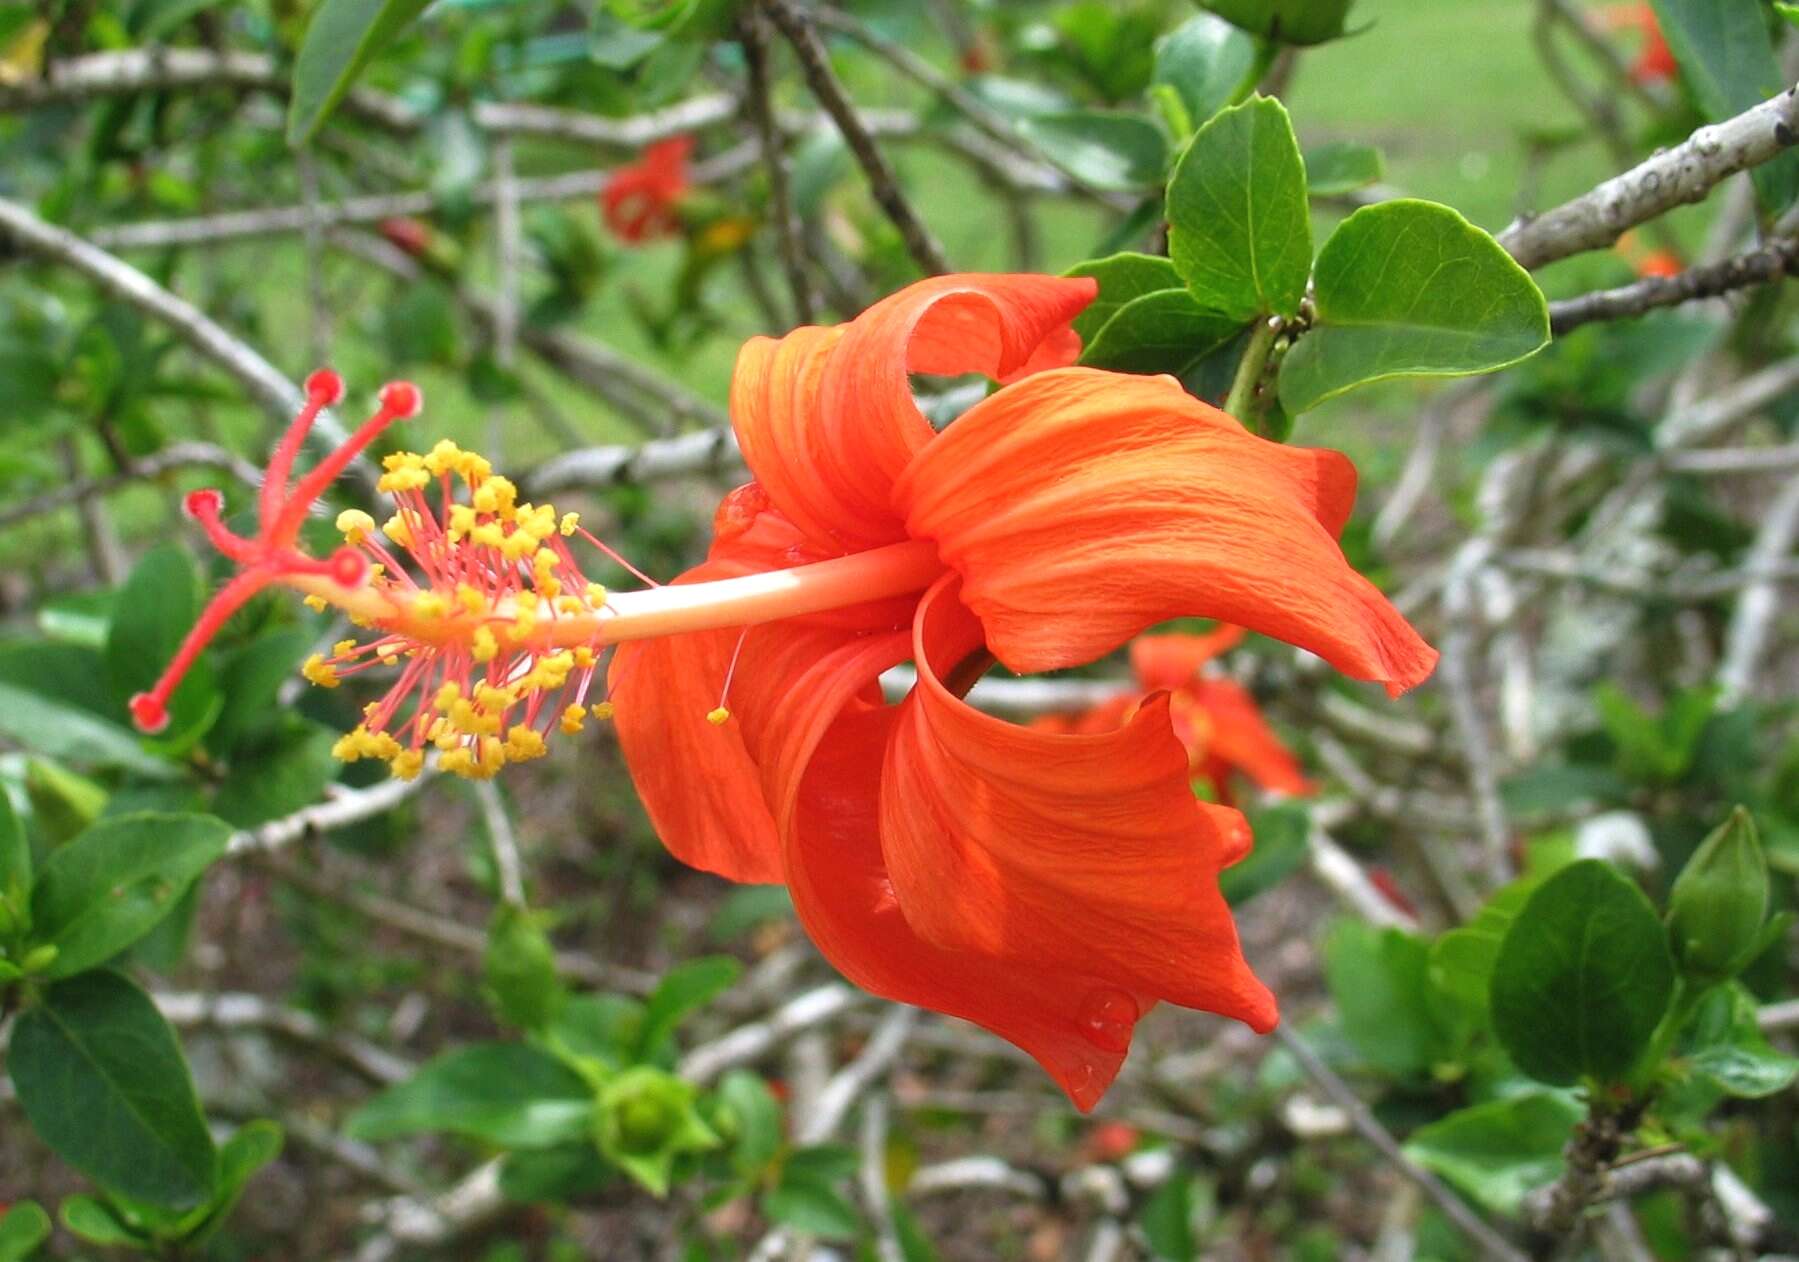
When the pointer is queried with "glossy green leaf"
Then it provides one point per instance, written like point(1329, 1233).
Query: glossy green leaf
point(520, 969)
point(1391, 1014)
point(685, 989)
point(1461, 960)
point(1288, 21)
point(535, 1175)
point(1112, 151)
point(1239, 229)
point(1724, 1044)
point(812, 1208)
point(106, 889)
point(59, 730)
point(15, 855)
point(1342, 167)
point(1121, 278)
point(1499, 1151)
point(283, 771)
point(1408, 288)
point(1207, 61)
point(23, 1228)
point(750, 1118)
point(342, 37)
point(104, 1083)
point(508, 1094)
point(151, 616)
point(1727, 61)
point(96, 1222)
point(1167, 1220)
point(250, 680)
point(1165, 331)
point(1582, 978)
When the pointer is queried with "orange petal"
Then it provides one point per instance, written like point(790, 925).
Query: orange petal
point(825, 417)
point(1070, 1021)
point(1241, 737)
point(1087, 855)
point(1081, 506)
point(703, 784)
point(1170, 661)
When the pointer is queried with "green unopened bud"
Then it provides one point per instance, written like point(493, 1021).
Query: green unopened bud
point(522, 984)
point(40, 958)
point(644, 1119)
point(1719, 902)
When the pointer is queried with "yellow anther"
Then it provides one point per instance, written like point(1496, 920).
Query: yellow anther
point(491, 698)
point(518, 545)
point(718, 717)
point(318, 671)
point(596, 594)
point(389, 653)
point(488, 535)
point(408, 763)
point(584, 658)
point(493, 755)
point(397, 529)
point(472, 599)
point(458, 762)
point(445, 457)
point(568, 524)
point(355, 524)
point(462, 519)
point(497, 496)
point(405, 472)
point(448, 694)
point(524, 743)
point(570, 604)
point(343, 648)
point(484, 647)
point(317, 604)
point(603, 710)
point(573, 718)
point(429, 605)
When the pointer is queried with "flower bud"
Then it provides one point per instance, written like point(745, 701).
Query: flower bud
point(644, 1119)
point(1719, 902)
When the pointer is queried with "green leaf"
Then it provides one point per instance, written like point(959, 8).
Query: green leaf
point(104, 1083)
point(1727, 61)
point(811, 1208)
point(1380, 979)
point(749, 1116)
point(251, 1147)
point(507, 1094)
point(1411, 289)
point(250, 679)
point(150, 617)
point(283, 772)
point(98, 1223)
point(684, 989)
point(617, 45)
point(1719, 903)
point(1583, 977)
point(1239, 230)
point(1289, 21)
point(1461, 960)
point(914, 1245)
point(1282, 844)
point(1121, 278)
point(562, 1173)
point(342, 37)
point(1724, 1043)
point(1498, 1151)
point(520, 968)
point(1342, 167)
point(603, 1028)
point(1166, 331)
point(108, 888)
point(1167, 1220)
point(1112, 151)
point(15, 855)
point(1207, 61)
point(59, 730)
point(22, 1229)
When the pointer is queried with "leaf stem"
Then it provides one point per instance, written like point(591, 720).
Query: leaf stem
point(1241, 401)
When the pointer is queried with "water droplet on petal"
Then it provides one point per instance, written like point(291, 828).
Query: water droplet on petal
point(1106, 1018)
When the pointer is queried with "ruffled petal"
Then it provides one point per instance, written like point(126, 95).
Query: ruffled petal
point(1085, 855)
point(1082, 506)
point(1071, 1022)
point(704, 784)
point(826, 419)
point(1171, 661)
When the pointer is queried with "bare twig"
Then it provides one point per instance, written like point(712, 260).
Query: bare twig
point(703, 451)
point(419, 1222)
point(1490, 1243)
point(1674, 177)
point(508, 867)
point(348, 806)
point(1758, 267)
point(815, 63)
point(847, 1084)
point(1758, 606)
point(753, 32)
point(233, 1011)
point(750, 1042)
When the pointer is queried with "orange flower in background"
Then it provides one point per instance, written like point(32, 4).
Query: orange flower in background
point(640, 199)
point(1215, 718)
point(1654, 61)
point(1647, 261)
point(1050, 887)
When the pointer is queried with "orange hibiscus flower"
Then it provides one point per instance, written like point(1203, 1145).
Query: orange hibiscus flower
point(1050, 887)
point(1654, 61)
point(640, 199)
point(1215, 718)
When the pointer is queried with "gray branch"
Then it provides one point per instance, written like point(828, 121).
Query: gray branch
point(1757, 267)
point(1673, 177)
